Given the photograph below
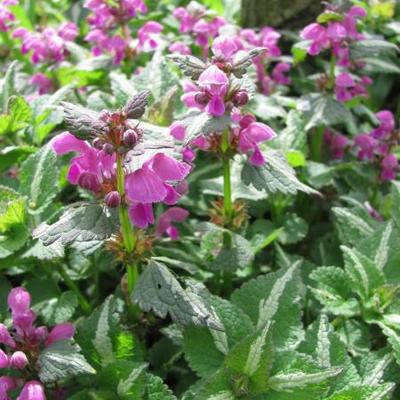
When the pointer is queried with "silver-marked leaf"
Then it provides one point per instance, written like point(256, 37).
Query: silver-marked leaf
point(361, 49)
point(82, 122)
point(158, 290)
point(274, 298)
point(276, 175)
point(191, 66)
point(122, 88)
point(362, 271)
point(294, 380)
point(243, 60)
point(39, 179)
point(199, 123)
point(85, 222)
point(7, 85)
point(62, 360)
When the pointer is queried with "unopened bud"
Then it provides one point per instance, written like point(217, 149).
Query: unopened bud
point(240, 98)
point(41, 333)
point(112, 199)
point(3, 359)
point(18, 360)
point(108, 148)
point(202, 98)
point(130, 138)
point(89, 181)
point(98, 143)
point(104, 115)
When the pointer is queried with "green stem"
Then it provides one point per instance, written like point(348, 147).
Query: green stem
point(332, 65)
point(226, 167)
point(316, 143)
point(84, 304)
point(128, 235)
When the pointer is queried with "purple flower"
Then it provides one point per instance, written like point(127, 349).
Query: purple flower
point(386, 126)
point(141, 215)
point(5, 337)
point(6, 17)
point(389, 165)
point(33, 390)
point(6, 384)
point(19, 300)
point(344, 83)
point(3, 359)
point(164, 224)
point(278, 73)
point(338, 145)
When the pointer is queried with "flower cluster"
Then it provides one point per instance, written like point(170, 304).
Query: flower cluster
point(376, 146)
point(200, 23)
point(157, 178)
point(267, 38)
point(22, 345)
point(336, 34)
point(48, 46)
point(108, 20)
point(217, 93)
point(6, 16)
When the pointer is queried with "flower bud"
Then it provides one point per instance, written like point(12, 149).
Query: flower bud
point(202, 98)
point(33, 390)
point(19, 300)
point(130, 138)
point(41, 333)
point(89, 181)
point(104, 115)
point(18, 360)
point(240, 98)
point(112, 199)
point(3, 359)
point(5, 337)
point(98, 143)
point(60, 332)
point(108, 148)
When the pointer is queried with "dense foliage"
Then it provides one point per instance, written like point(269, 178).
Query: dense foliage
point(193, 209)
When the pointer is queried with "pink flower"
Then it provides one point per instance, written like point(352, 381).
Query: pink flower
point(6, 384)
point(149, 36)
point(5, 337)
point(249, 138)
point(141, 215)
point(60, 332)
point(3, 360)
point(33, 390)
point(180, 48)
point(386, 126)
point(214, 83)
point(150, 183)
point(318, 36)
point(19, 300)
point(389, 167)
point(6, 17)
point(177, 130)
point(164, 225)
point(225, 47)
point(43, 83)
point(338, 145)
point(278, 73)
point(91, 168)
point(367, 145)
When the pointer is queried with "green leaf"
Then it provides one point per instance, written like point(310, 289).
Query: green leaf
point(7, 88)
point(328, 16)
point(39, 179)
point(156, 389)
point(12, 210)
point(362, 271)
point(189, 65)
point(393, 337)
point(276, 175)
point(266, 107)
point(381, 392)
point(158, 290)
point(161, 111)
point(121, 87)
point(334, 291)
point(295, 229)
point(215, 345)
point(396, 203)
point(11, 155)
point(102, 340)
point(62, 360)
point(80, 223)
point(352, 226)
point(64, 309)
point(299, 51)
point(322, 110)
point(274, 298)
